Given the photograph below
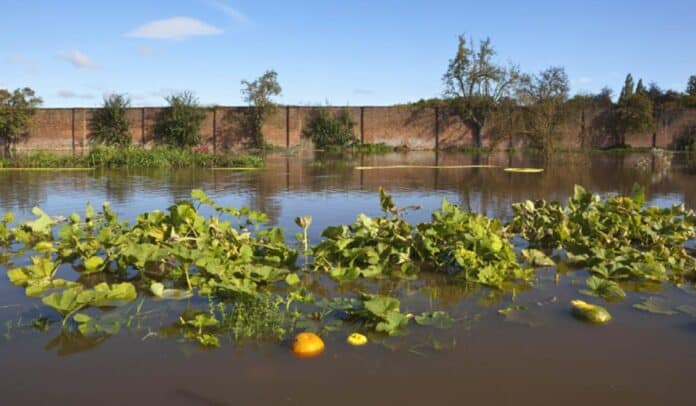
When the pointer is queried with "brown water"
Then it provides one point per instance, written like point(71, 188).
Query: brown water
point(546, 357)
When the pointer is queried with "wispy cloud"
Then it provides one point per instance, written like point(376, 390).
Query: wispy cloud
point(362, 92)
point(176, 28)
point(146, 51)
point(237, 16)
point(69, 94)
point(78, 59)
point(23, 61)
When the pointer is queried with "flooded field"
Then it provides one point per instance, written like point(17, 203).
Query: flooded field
point(517, 345)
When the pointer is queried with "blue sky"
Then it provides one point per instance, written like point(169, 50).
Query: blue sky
point(355, 52)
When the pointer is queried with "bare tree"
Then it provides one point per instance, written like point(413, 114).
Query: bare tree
point(475, 84)
point(543, 98)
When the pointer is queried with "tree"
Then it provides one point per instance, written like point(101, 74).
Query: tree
point(475, 85)
point(110, 124)
point(16, 111)
point(691, 86)
point(258, 94)
point(633, 114)
point(666, 104)
point(543, 97)
point(180, 123)
point(640, 88)
point(627, 90)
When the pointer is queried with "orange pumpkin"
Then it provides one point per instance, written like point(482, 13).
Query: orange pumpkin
point(307, 345)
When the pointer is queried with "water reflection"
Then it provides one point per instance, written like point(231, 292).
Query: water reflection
point(317, 175)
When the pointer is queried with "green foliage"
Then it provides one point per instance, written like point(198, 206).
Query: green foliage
point(370, 247)
point(258, 94)
point(474, 247)
point(16, 110)
point(634, 111)
point(691, 86)
point(179, 124)
point(110, 124)
point(326, 130)
point(627, 90)
point(616, 238)
point(542, 223)
point(603, 288)
point(134, 157)
point(248, 275)
point(248, 318)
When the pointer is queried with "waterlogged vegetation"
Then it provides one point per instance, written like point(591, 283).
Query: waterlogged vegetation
point(233, 278)
point(133, 157)
point(617, 239)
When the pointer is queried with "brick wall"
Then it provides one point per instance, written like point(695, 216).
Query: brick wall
point(68, 130)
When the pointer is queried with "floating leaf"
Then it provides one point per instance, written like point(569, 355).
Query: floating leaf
point(535, 257)
point(437, 319)
point(656, 305)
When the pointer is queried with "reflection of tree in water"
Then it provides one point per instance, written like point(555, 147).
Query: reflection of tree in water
point(332, 169)
point(69, 343)
point(23, 189)
point(489, 191)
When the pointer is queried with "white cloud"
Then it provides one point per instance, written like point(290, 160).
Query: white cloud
point(230, 12)
point(174, 28)
point(362, 92)
point(69, 94)
point(583, 80)
point(78, 59)
point(146, 51)
point(22, 61)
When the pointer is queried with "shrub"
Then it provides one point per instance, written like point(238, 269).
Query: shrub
point(179, 124)
point(326, 130)
point(110, 124)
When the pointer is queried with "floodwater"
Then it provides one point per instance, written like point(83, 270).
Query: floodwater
point(543, 357)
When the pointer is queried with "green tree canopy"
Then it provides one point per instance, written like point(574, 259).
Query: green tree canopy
point(258, 95)
point(633, 114)
point(16, 110)
point(691, 86)
point(628, 88)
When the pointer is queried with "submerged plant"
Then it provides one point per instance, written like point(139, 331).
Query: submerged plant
point(247, 274)
point(616, 238)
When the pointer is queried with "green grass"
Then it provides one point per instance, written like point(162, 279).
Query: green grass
point(133, 157)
